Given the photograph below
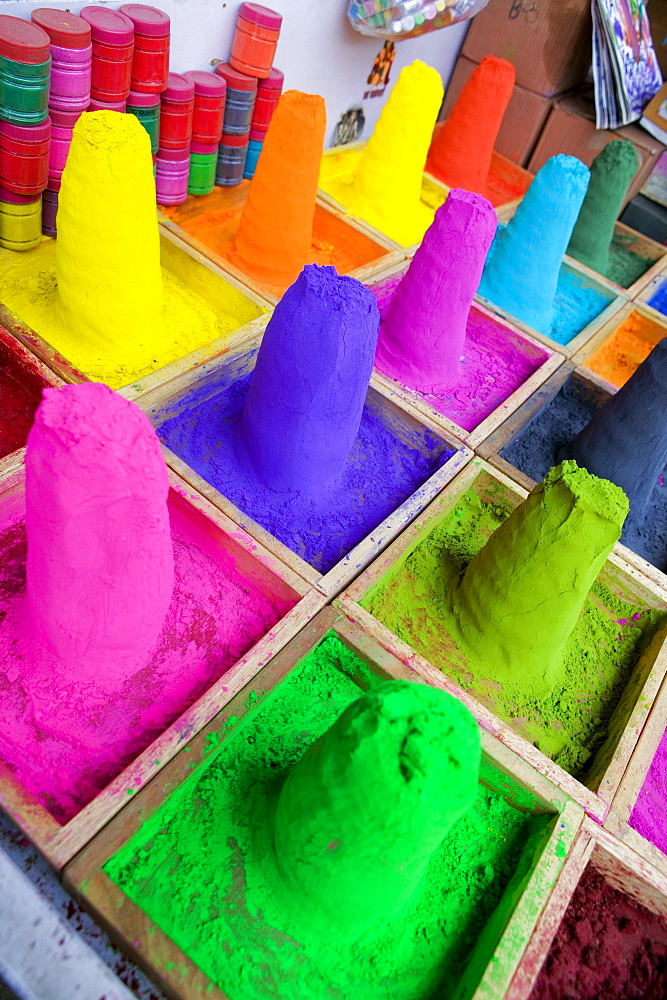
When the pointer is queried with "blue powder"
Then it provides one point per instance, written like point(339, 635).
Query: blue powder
point(535, 451)
point(659, 299)
point(576, 305)
point(382, 472)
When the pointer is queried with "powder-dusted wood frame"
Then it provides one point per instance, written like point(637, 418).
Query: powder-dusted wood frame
point(630, 714)
point(606, 331)
point(621, 867)
point(201, 276)
point(176, 974)
point(59, 843)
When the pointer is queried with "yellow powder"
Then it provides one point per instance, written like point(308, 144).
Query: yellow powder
point(98, 294)
point(386, 188)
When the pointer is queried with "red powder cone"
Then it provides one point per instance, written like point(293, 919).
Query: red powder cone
point(276, 229)
point(460, 154)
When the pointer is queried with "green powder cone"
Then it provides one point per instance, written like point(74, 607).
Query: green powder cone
point(520, 597)
point(611, 173)
point(363, 810)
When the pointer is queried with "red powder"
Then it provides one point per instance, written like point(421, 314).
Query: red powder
point(607, 948)
point(21, 384)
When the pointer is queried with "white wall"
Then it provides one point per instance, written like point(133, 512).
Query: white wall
point(319, 51)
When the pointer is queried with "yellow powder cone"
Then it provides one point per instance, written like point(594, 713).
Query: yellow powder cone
point(387, 186)
point(108, 247)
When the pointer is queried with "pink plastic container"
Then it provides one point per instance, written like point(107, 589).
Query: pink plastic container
point(120, 106)
point(172, 168)
point(62, 123)
point(71, 57)
point(49, 212)
point(255, 39)
point(113, 47)
point(209, 109)
point(150, 62)
point(266, 102)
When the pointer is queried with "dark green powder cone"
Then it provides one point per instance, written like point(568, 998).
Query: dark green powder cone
point(611, 173)
point(520, 597)
point(398, 768)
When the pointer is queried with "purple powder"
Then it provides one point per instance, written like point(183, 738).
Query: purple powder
point(381, 471)
point(659, 299)
point(496, 361)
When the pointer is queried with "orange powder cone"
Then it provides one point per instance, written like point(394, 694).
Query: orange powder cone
point(276, 229)
point(460, 154)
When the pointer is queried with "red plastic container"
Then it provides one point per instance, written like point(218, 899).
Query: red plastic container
point(150, 63)
point(255, 40)
point(176, 109)
point(24, 157)
point(113, 48)
point(120, 106)
point(266, 102)
point(209, 110)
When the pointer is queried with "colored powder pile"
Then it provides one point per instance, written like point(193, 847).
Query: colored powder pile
point(21, 387)
point(294, 446)
point(102, 278)
point(186, 874)
point(611, 173)
point(276, 227)
point(496, 361)
point(537, 447)
point(607, 947)
point(631, 343)
point(577, 303)
point(386, 188)
point(114, 621)
point(649, 816)
point(423, 332)
point(521, 273)
point(659, 298)
point(460, 154)
point(568, 721)
point(625, 266)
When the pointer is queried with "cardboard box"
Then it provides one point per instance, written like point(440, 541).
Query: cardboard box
point(570, 129)
point(523, 120)
point(548, 41)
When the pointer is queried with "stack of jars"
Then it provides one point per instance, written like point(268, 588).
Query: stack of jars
point(69, 96)
point(209, 110)
point(25, 130)
point(150, 66)
point(173, 156)
point(248, 75)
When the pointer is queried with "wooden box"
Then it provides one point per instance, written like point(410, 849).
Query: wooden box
point(499, 949)
point(59, 843)
point(655, 285)
point(200, 276)
point(408, 426)
point(30, 375)
point(624, 871)
point(608, 764)
point(351, 246)
point(383, 285)
point(604, 353)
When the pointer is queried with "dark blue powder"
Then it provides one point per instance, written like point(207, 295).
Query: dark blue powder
point(536, 448)
point(382, 472)
point(576, 305)
point(659, 299)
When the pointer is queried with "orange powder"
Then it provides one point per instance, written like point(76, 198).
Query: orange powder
point(276, 229)
point(630, 344)
point(460, 154)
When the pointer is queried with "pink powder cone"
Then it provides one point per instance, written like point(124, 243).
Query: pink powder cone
point(100, 568)
point(421, 339)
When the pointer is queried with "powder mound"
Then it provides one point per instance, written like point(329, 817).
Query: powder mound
point(335, 291)
point(399, 767)
point(107, 130)
point(603, 497)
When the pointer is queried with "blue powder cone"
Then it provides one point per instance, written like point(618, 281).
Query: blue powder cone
point(521, 273)
point(308, 390)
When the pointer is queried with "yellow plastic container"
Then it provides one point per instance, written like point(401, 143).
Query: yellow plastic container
point(20, 224)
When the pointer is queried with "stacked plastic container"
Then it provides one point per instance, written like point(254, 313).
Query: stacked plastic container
point(112, 36)
point(172, 165)
point(150, 66)
point(25, 130)
point(69, 95)
point(209, 110)
point(251, 92)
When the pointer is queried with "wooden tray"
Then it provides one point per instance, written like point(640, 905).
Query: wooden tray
point(610, 761)
point(420, 403)
point(501, 946)
point(59, 843)
point(406, 424)
point(202, 277)
point(621, 867)
point(10, 345)
point(605, 332)
point(650, 289)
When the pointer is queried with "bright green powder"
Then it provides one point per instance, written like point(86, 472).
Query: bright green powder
point(204, 870)
point(567, 720)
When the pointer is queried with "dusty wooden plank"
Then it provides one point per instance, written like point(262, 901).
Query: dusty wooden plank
point(585, 352)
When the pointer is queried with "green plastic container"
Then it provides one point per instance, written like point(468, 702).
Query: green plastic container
point(24, 91)
point(146, 107)
point(202, 171)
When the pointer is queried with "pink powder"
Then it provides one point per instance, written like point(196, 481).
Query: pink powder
point(422, 334)
point(649, 816)
point(496, 361)
point(100, 566)
point(153, 603)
